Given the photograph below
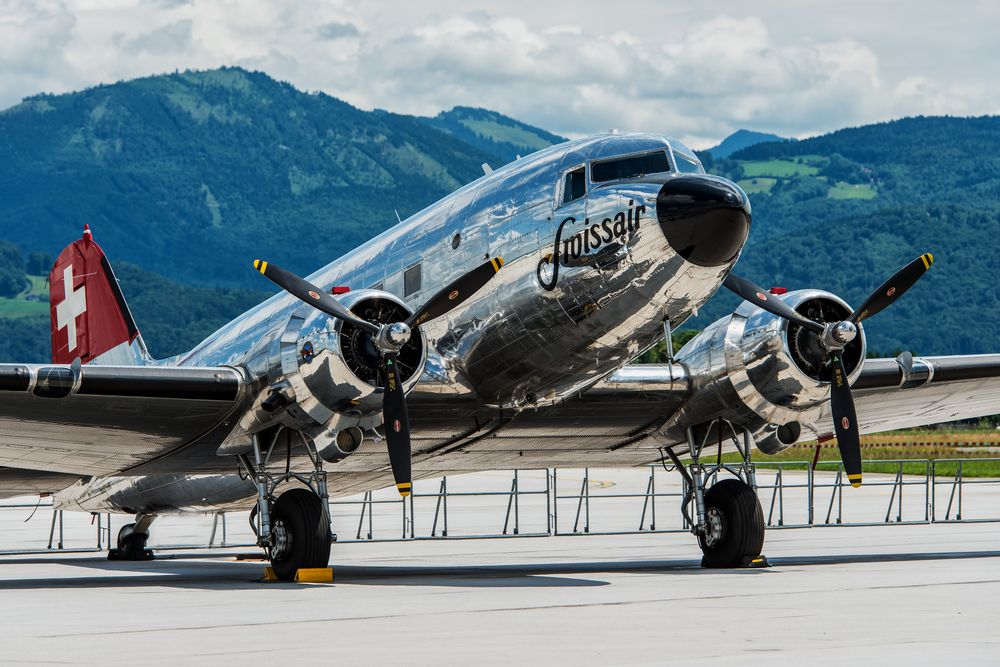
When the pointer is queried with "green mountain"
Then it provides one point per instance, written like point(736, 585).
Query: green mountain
point(741, 139)
point(495, 134)
point(843, 211)
point(190, 176)
point(195, 174)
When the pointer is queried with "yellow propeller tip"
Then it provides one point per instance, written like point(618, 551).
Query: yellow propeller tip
point(930, 258)
point(256, 263)
point(404, 489)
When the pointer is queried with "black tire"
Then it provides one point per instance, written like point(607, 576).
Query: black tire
point(300, 515)
point(742, 535)
point(127, 528)
point(131, 546)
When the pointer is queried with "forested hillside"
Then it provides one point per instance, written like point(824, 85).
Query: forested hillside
point(844, 210)
point(493, 133)
point(191, 175)
point(194, 174)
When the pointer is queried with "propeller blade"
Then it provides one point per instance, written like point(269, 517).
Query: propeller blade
point(772, 304)
point(456, 292)
point(845, 421)
point(397, 426)
point(306, 291)
point(893, 288)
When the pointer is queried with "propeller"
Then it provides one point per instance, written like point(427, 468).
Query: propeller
point(389, 338)
point(833, 338)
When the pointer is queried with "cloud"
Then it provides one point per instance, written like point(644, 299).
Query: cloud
point(717, 74)
point(336, 30)
point(165, 40)
point(688, 72)
point(33, 37)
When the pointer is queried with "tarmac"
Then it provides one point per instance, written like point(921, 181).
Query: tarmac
point(913, 594)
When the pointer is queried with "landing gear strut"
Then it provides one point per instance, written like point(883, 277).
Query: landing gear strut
point(293, 528)
point(727, 520)
point(132, 540)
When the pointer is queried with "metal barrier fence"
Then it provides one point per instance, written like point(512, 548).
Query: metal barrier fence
point(550, 502)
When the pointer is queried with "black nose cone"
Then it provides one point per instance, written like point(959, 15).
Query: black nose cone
point(704, 218)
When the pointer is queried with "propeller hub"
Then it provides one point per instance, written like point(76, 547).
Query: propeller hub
point(844, 332)
point(395, 335)
point(836, 335)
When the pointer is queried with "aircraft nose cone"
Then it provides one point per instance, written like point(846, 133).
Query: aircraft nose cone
point(704, 218)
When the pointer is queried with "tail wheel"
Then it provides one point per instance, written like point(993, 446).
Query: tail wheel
point(131, 545)
point(735, 531)
point(300, 533)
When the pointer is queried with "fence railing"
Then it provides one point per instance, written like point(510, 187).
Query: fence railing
point(550, 502)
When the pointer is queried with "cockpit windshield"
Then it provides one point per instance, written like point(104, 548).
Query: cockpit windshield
point(654, 162)
point(685, 159)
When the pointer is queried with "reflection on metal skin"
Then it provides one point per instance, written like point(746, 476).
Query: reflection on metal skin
point(531, 338)
point(744, 368)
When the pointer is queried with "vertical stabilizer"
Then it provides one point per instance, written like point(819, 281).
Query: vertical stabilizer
point(90, 319)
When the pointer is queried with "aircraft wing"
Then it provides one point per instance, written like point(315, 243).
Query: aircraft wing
point(64, 421)
point(938, 389)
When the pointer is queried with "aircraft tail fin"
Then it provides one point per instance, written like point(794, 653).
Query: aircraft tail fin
point(90, 319)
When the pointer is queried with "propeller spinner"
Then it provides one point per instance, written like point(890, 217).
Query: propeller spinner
point(833, 337)
point(388, 338)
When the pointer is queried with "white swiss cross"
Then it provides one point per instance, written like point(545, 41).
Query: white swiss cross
point(73, 305)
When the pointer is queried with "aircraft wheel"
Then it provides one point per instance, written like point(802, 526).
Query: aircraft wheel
point(300, 534)
point(131, 545)
point(735, 535)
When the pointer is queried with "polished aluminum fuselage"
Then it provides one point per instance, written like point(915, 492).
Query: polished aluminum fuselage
point(538, 333)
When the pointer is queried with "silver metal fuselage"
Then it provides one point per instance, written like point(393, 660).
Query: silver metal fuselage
point(540, 332)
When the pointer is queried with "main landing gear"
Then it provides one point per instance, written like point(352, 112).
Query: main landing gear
point(293, 528)
point(132, 539)
point(727, 520)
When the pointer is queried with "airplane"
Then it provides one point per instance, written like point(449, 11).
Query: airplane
point(495, 329)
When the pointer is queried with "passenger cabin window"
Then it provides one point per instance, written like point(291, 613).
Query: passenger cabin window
point(687, 164)
point(411, 280)
point(629, 167)
point(575, 185)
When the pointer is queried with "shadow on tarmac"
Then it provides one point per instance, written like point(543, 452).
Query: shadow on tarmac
point(220, 571)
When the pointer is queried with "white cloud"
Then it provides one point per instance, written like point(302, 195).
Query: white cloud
point(690, 72)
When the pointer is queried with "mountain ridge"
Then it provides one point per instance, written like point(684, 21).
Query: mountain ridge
point(191, 175)
point(741, 139)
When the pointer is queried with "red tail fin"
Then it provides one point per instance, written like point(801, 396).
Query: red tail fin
point(90, 319)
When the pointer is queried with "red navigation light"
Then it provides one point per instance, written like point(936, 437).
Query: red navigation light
point(778, 291)
point(340, 289)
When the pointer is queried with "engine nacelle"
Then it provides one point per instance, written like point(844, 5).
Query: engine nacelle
point(324, 375)
point(760, 371)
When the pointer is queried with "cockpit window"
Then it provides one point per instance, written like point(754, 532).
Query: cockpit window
point(685, 159)
point(575, 185)
point(629, 167)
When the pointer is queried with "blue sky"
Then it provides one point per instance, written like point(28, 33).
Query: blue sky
point(698, 72)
